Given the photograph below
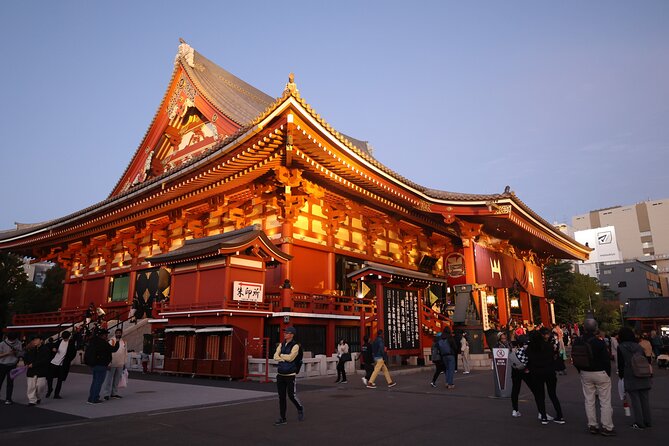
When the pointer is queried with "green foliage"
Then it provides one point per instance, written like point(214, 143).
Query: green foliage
point(574, 294)
point(18, 295)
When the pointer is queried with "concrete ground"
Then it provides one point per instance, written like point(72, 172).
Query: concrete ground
point(177, 411)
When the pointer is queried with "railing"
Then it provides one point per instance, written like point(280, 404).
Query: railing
point(434, 322)
point(52, 317)
point(217, 305)
point(326, 304)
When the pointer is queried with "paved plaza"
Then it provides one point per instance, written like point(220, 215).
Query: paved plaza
point(182, 411)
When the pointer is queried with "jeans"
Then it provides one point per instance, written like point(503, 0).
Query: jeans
point(110, 385)
point(449, 368)
point(286, 384)
point(517, 378)
point(597, 384)
point(4, 373)
point(99, 373)
point(341, 372)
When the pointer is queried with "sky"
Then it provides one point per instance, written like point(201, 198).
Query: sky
point(566, 102)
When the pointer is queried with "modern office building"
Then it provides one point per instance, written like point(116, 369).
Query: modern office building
point(641, 230)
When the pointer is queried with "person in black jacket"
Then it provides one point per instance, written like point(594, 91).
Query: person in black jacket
point(596, 380)
point(63, 353)
point(98, 355)
point(541, 364)
point(37, 357)
point(367, 358)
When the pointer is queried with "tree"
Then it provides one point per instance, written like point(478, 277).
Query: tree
point(33, 299)
point(13, 280)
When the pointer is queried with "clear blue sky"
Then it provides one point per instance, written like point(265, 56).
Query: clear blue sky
point(567, 102)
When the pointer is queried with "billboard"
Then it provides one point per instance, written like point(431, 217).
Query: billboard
point(603, 241)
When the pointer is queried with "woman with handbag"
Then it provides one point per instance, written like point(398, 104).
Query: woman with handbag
point(343, 356)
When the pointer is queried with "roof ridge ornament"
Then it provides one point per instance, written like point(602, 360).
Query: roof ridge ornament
point(291, 88)
point(185, 52)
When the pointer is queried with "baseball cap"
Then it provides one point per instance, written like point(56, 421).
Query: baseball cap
point(290, 330)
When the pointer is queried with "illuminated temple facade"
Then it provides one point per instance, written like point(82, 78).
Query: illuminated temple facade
point(241, 213)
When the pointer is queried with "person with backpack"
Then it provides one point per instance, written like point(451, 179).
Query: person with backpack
point(447, 349)
point(636, 373)
point(435, 355)
point(288, 354)
point(590, 356)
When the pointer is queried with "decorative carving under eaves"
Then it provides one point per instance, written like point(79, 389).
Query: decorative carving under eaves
point(182, 98)
point(376, 227)
point(469, 230)
point(529, 256)
point(336, 216)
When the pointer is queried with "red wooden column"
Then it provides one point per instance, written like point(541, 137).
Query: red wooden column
point(526, 306)
point(468, 231)
point(502, 306)
point(287, 247)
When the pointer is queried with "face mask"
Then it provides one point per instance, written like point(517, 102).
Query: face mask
point(118, 336)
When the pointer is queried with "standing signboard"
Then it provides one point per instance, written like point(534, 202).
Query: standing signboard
point(502, 369)
point(400, 318)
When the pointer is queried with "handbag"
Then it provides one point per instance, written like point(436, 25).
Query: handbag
point(345, 357)
point(123, 383)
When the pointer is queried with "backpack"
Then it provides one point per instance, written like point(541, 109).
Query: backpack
point(445, 347)
point(298, 359)
point(435, 354)
point(641, 368)
point(516, 363)
point(581, 354)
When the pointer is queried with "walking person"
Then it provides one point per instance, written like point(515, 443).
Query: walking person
point(380, 357)
point(464, 350)
point(116, 366)
point(447, 348)
point(98, 355)
point(595, 373)
point(11, 350)
point(37, 357)
point(541, 364)
point(368, 359)
point(288, 356)
point(437, 361)
point(343, 356)
point(637, 388)
point(64, 352)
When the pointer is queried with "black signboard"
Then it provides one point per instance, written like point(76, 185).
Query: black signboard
point(401, 318)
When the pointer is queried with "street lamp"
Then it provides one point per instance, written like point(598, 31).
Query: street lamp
point(590, 299)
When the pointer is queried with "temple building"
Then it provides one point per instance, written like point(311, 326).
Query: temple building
point(241, 213)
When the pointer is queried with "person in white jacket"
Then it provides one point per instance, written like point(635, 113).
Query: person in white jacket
point(464, 349)
point(116, 366)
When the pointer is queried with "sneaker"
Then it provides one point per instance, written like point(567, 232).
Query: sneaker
point(466, 373)
point(636, 427)
point(392, 384)
point(544, 421)
point(117, 397)
point(300, 415)
point(39, 401)
point(106, 398)
point(515, 413)
point(364, 381)
point(594, 430)
point(280, 422)
point(8, 402)
point(371, 385)
point(608, 433)
point(338, 381)
point(450, 386)
point(548, 417)
point(344, 382)
point(559, 420)
point(433, 384)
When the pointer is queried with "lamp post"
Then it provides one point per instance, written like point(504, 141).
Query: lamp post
point(590, 299)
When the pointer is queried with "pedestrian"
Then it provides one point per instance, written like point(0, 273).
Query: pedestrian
point(64, 352)
point(519, 373)
point(647, 347)
point(436, 360)
point(595, 376)
point(541, 364)
point(464, 350)
point(116, 366)
point(456, 337)
point(367, 358)
point(11, 350)
point(380, 358)
point(637, 388)
point(98, 355)
point(287, 355)
point(447, 350)
point(343, 356)
point(503, 341)
point(144, 358)
point(656, 343)
point(37, 357)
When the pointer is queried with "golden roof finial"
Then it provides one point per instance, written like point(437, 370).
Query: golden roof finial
point(291, 88)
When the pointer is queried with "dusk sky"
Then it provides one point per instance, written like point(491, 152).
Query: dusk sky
point(567, 102)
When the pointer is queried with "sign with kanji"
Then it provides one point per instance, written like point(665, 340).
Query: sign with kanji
point(247, 291)
point(401, 318)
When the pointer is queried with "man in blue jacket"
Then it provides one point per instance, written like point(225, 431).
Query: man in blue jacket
point(287, 355)
point(379, 354)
